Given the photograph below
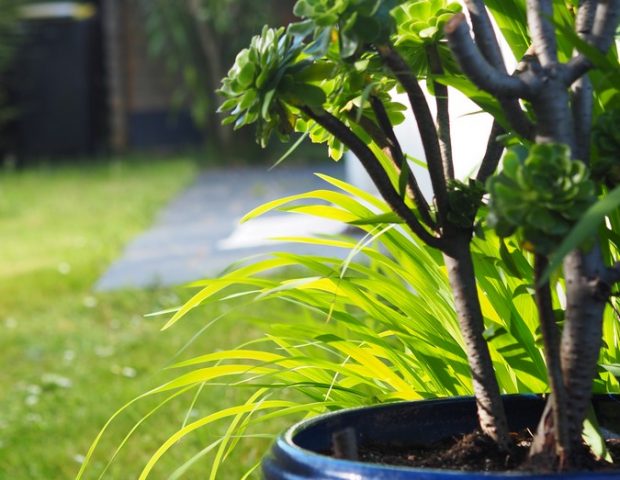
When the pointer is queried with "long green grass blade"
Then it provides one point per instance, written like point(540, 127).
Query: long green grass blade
point(227, 412)
point(586, 228)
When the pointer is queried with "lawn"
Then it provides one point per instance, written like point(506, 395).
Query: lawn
point(70, 356)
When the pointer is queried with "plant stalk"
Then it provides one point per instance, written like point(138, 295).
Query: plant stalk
point(587, 296)
point(560, 442)
point(461, 274)
point(425, 122)
point(443, 113)
point(375, 170)
point(400, 161)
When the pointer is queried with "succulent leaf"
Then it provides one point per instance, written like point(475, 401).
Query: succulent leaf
point(420, 24)
point(359, 22)
point(539, 196)
point(267, 80)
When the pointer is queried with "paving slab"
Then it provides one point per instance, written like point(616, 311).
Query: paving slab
point(198, 235)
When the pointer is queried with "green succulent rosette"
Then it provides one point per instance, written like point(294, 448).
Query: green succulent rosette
point(421, 22)
point(420, 25)
point(606, 142)
point(540, 194)
point(267, 81)
point(358, 22)
point(279, 75)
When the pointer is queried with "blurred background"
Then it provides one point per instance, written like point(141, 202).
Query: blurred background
point(111, 76)
point(118, 184)
point(107, 131)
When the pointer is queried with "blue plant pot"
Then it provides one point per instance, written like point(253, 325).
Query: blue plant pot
point(299, 453)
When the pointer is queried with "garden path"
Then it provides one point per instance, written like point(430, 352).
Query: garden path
point(198, 233)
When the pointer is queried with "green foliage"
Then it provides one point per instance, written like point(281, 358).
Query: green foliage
point(172, 37)
point(464, 201)
point(587, 227)
point(74, 353)
point(9, 25)
point(358, 22)
point(278, 75)
point(420, 26)
point(379, 326)
point(266, 80)
point(421, 22)
point(606, 140)
point(511, 18)
point(541, 194)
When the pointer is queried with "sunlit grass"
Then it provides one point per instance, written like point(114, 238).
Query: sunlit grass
point(71, 357)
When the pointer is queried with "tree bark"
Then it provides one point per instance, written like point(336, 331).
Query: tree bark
point(462, 277)
point(559, 442)
point(553, 116)
point(586, 293)
point(443, 113)
point(426, 125)
point(587, 296)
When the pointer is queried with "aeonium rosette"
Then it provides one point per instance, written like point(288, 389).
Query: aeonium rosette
point(540, 195)
point(420, 27)
point(358, 22)
point(266, 82)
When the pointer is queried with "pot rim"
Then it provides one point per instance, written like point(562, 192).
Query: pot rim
point(287, 446)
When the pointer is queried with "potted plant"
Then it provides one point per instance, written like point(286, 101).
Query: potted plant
point(330, 75)
point(463, 287)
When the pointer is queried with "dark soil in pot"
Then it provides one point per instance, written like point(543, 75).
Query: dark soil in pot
point(425, 437)
point(479, 453)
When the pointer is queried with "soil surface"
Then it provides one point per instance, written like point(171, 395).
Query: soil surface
point(477, 452)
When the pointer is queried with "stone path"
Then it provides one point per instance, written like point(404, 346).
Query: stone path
point(198, 233)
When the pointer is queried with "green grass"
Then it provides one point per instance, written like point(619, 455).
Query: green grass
point(71, 357)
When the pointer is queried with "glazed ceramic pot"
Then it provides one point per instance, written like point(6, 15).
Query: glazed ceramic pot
point(300, 453)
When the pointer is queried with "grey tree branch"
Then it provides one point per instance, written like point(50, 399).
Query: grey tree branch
point(582, 332)
point(401, 161)
point(492, 155)
point(370, 127)
point(517, 118)
point(551, 339)
point(486, 41)
point(426, 126)
point(476, 67)
point(539, 16)
point(375, 170)
point(602, 36)
point(581, 106)
point(585, 17)
point(443, 113)
point(505, 87)
point(582, 92)
point(461, 274)
point(485, 36)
